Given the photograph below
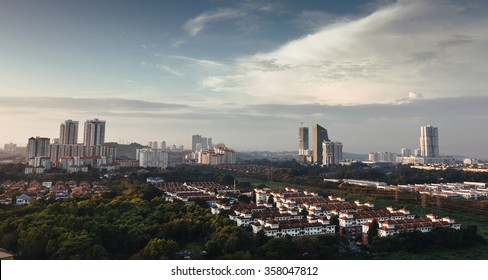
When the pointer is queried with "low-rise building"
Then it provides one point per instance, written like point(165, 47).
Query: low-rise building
point(22, 199)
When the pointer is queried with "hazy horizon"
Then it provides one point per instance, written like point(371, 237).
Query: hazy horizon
point(248, 73)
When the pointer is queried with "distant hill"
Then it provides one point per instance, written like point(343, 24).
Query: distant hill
point(352, 156)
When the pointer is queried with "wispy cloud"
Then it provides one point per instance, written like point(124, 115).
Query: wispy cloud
point(434, 48)
point(159, 66)
point(206, 63)
point(168, 69)
point(195, 25)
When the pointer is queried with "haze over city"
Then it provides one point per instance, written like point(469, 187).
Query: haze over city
point(248, 72)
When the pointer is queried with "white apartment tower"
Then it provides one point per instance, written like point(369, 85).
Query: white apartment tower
point(152, 158)
point(94, 133)
point(68, 132)
point(38, 147)
point(429, 141)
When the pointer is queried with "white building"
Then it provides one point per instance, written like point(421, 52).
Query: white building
point(38, 165)
point(470, 161)
point(94, 133)
point(382, 157)
point(38, 147)
point(220, 154)
point(429, 141)
point(68, 132)
point(22, 199)
point(152, 158)
point(405, 152)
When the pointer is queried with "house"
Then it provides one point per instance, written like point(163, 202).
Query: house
point(5, 199)
point(22, 199)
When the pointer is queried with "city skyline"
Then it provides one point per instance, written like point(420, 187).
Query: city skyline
point(248, 72)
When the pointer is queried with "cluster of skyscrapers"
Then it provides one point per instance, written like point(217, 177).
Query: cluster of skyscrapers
point(65, 150)
point(199, 143)
point(323, 152)
point(205, 152)
point(67, 143)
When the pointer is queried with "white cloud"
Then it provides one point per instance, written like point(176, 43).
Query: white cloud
point(437, 48)
point(412, 96)
point(206, 63)
point(167, 69)
point(160, 67)
point(195, 25)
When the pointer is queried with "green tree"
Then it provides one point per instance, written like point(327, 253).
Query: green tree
point(373, 230)
point(244, 198)
point(157, 249)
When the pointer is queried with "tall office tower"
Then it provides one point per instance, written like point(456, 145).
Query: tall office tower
point(332, 152)
point(302, 141)
point(209, 142)
point(429, 141)
point(163, 145)
point(416, 152)
point(94, 133)
point(195, 139)
point(319, 136)
point(68, 132)
point(38, 147)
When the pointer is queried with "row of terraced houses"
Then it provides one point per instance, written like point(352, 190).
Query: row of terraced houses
point(302, 213)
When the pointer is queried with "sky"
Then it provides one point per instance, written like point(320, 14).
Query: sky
point(248, 73)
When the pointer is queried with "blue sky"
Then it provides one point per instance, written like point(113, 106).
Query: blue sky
point(247, 73)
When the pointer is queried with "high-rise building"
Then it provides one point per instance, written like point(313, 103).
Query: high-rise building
point(195, 139)
point(382, 157)
point(332, 152)
point(94, 133)
point(429, 141)
point(220, 154)
point(11, 147)
point(152, 158)
point(38, 147)
point(153, 144)
point(68, 132)
point(405, 152)
point(303, 141)
point(204, 142)
point(319, 136)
